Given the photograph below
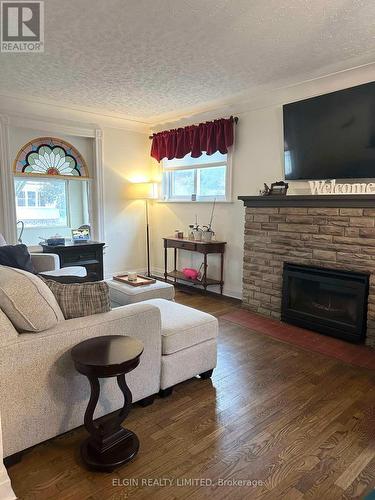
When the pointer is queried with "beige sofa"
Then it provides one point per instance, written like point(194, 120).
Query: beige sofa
point(41, 394)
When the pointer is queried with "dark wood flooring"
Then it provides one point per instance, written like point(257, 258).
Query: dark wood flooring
point(275, 422)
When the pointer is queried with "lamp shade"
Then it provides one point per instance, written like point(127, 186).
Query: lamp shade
point(141, 191)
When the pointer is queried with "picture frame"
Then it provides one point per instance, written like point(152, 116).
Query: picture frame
point(83, 233)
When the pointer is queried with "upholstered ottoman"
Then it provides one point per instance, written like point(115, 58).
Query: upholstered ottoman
point(122, 294)
point(188, 343)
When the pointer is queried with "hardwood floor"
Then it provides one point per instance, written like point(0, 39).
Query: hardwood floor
point(285, 422)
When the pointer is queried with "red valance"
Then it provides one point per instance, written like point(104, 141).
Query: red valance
point(195, 139)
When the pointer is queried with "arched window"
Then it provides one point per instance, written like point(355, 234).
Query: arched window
point(49, 156)
point(51, 181)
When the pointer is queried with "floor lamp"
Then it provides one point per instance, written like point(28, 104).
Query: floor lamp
point(144, 191)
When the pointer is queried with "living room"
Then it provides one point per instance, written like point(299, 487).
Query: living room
point(187, 221)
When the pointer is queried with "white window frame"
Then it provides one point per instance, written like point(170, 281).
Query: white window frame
point(166, 189)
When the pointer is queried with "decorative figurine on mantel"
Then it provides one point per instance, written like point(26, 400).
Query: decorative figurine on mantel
point(277, 188)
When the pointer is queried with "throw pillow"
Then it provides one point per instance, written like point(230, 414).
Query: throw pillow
point(27, 301)
point(16, 256)
point(83, 299)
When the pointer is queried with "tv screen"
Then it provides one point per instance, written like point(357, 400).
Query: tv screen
point(331, 136)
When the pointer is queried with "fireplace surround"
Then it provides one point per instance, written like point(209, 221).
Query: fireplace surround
point(330, 301)
point(333, 232)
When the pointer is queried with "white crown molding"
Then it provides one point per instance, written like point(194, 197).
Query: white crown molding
point(49, 126)
point(271, 95)
point(15, 105)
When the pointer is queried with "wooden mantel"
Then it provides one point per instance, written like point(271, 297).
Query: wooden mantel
point(346, 201)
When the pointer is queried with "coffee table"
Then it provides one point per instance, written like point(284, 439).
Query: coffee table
point(109, 445)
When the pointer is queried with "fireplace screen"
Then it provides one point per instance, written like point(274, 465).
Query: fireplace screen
point(325, 300)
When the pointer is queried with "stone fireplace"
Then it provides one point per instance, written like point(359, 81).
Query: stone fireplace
point(329, 232)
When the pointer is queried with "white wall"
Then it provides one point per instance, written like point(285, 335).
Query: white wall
point(126, 159)
point(258, 158)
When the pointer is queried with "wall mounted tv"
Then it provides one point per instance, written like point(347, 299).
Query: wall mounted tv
point(331, 136)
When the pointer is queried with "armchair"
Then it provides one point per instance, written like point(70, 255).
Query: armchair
point(49, 264)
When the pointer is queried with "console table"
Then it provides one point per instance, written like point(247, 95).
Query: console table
point(88, 254)
point(203, 247)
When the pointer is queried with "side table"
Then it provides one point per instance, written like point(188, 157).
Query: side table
point(203, 247)
point(109, 445)
point(88, 254)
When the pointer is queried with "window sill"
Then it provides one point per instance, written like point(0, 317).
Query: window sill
point(194, 202)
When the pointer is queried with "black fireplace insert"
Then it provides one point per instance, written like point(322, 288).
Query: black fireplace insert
point(328, 301)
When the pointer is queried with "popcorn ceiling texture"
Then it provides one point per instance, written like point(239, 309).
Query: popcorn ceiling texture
point(147, 57)
point(336, 238)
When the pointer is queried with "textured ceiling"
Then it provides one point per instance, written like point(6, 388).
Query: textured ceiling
point(143, 58)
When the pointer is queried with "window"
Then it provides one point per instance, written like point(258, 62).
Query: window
point(41, 203)
point(197, 179)
point(31, 198)
point(50, 206)
point(21, 199)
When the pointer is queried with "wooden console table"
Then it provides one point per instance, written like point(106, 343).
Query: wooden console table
point(205, 248)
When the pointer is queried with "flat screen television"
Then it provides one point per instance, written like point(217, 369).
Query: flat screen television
point(331, 136)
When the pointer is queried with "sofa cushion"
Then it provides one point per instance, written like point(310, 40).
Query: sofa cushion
point(182, 326)
point(83, 299)
point(27, 301)
point(17, 256)
point(76, 271)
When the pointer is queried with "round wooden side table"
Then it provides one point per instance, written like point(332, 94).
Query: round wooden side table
point(109, 445)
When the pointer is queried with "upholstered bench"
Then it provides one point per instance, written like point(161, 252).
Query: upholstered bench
point(122, 294)
point(189, 343)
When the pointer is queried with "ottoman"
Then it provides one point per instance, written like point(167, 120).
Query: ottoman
point(188, 343)
point(122, 294)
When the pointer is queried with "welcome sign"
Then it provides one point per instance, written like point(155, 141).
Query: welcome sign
point(333, 187)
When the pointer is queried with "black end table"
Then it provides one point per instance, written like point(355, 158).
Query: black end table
point(109, 444)
point(88, 254)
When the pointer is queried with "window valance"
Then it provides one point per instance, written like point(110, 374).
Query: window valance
point(208, 137)
point(49, 156)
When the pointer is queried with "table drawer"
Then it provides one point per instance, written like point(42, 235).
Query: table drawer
point(184, 245)
point(75, 257)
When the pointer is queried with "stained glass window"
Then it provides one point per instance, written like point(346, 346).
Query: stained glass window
point(48, 156)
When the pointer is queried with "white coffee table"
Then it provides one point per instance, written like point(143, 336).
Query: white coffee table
point(122, 294)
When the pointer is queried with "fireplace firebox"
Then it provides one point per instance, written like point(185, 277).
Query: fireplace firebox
point(328, 301)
